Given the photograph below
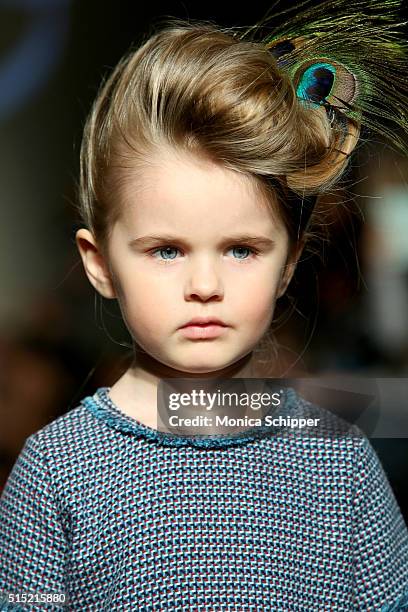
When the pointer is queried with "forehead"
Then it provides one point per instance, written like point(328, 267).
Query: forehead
point(184, 192)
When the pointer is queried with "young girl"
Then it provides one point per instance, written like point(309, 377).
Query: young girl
point(200, 163)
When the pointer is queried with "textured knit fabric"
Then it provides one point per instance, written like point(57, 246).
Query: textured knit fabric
point(119, 516)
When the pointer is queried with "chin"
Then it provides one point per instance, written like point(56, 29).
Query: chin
point(203, 366)
point(198, 369)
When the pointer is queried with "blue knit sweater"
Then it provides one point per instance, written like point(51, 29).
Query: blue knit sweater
point(118, 516)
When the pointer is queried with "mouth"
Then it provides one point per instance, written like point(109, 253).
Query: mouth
point(204, 322)
point(200, 329)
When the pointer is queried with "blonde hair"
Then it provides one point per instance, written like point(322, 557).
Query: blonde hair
point(205, 90)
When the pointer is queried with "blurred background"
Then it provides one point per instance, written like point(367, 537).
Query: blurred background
point(346, 311)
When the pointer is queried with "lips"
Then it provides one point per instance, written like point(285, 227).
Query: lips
point(204, 322)
point(204, 328)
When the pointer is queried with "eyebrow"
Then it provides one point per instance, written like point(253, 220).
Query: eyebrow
point(250, 240)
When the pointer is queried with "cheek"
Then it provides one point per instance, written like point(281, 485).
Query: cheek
point(255, 300)
point(259, 309)
point(148, 303)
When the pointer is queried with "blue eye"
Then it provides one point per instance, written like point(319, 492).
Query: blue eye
point(241, 252)
point(167, 252)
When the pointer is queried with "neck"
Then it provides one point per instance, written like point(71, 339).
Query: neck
point(142, 362)
point(135, 393)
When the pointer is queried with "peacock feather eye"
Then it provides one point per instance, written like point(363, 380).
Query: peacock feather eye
point(324, 82)
point(316, 83)
point(318, 80)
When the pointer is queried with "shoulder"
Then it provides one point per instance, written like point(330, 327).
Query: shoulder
point(73, 441)
point(75, 428)
point(332, 444)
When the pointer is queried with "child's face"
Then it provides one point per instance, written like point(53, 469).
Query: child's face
point(189, 260)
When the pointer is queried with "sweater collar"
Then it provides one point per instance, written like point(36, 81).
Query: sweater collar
point(103, 408)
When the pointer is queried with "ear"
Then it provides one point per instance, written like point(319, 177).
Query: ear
point(96, 267)
point(289, 269)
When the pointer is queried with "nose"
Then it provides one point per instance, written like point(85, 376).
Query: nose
point(203, 281)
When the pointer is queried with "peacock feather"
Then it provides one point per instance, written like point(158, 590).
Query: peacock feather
point(351, 58)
